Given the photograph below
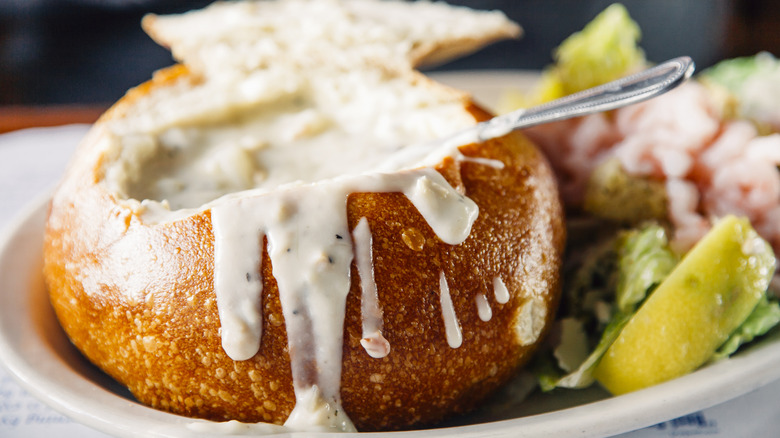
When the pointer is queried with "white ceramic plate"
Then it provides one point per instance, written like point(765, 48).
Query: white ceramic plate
point(36, 352)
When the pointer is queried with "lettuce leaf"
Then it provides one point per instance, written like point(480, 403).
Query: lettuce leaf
point(604, 50)
point(645, 260)
point(765, 316)
point(582, 376)
point(637, 260)
point(733, 73)
point(747, 88)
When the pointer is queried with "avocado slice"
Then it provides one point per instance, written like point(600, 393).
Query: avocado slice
point(693, 311)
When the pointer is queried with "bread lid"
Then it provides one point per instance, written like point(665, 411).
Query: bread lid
point(247, 36)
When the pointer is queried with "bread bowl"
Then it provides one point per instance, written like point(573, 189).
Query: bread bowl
point(197, 260)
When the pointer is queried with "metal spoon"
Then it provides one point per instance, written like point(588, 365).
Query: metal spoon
point(612, 95)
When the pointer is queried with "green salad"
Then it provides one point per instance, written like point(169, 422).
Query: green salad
point(636, 311)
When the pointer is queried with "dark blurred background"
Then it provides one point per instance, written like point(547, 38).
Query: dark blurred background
point(90, 51)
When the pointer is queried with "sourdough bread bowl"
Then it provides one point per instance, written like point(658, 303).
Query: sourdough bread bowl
point(270, 231)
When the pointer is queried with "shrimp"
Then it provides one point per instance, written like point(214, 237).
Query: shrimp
point(710, 167)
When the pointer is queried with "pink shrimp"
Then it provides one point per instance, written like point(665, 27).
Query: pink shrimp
point(710, 167)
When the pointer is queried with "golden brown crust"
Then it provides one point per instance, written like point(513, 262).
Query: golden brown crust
point(154, 324)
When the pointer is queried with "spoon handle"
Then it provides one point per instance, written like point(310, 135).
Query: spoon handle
point(625, 91)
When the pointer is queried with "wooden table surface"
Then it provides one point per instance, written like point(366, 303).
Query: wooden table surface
point(13, 118)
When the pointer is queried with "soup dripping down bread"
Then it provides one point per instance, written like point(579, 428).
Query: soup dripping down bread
point(248, 237)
